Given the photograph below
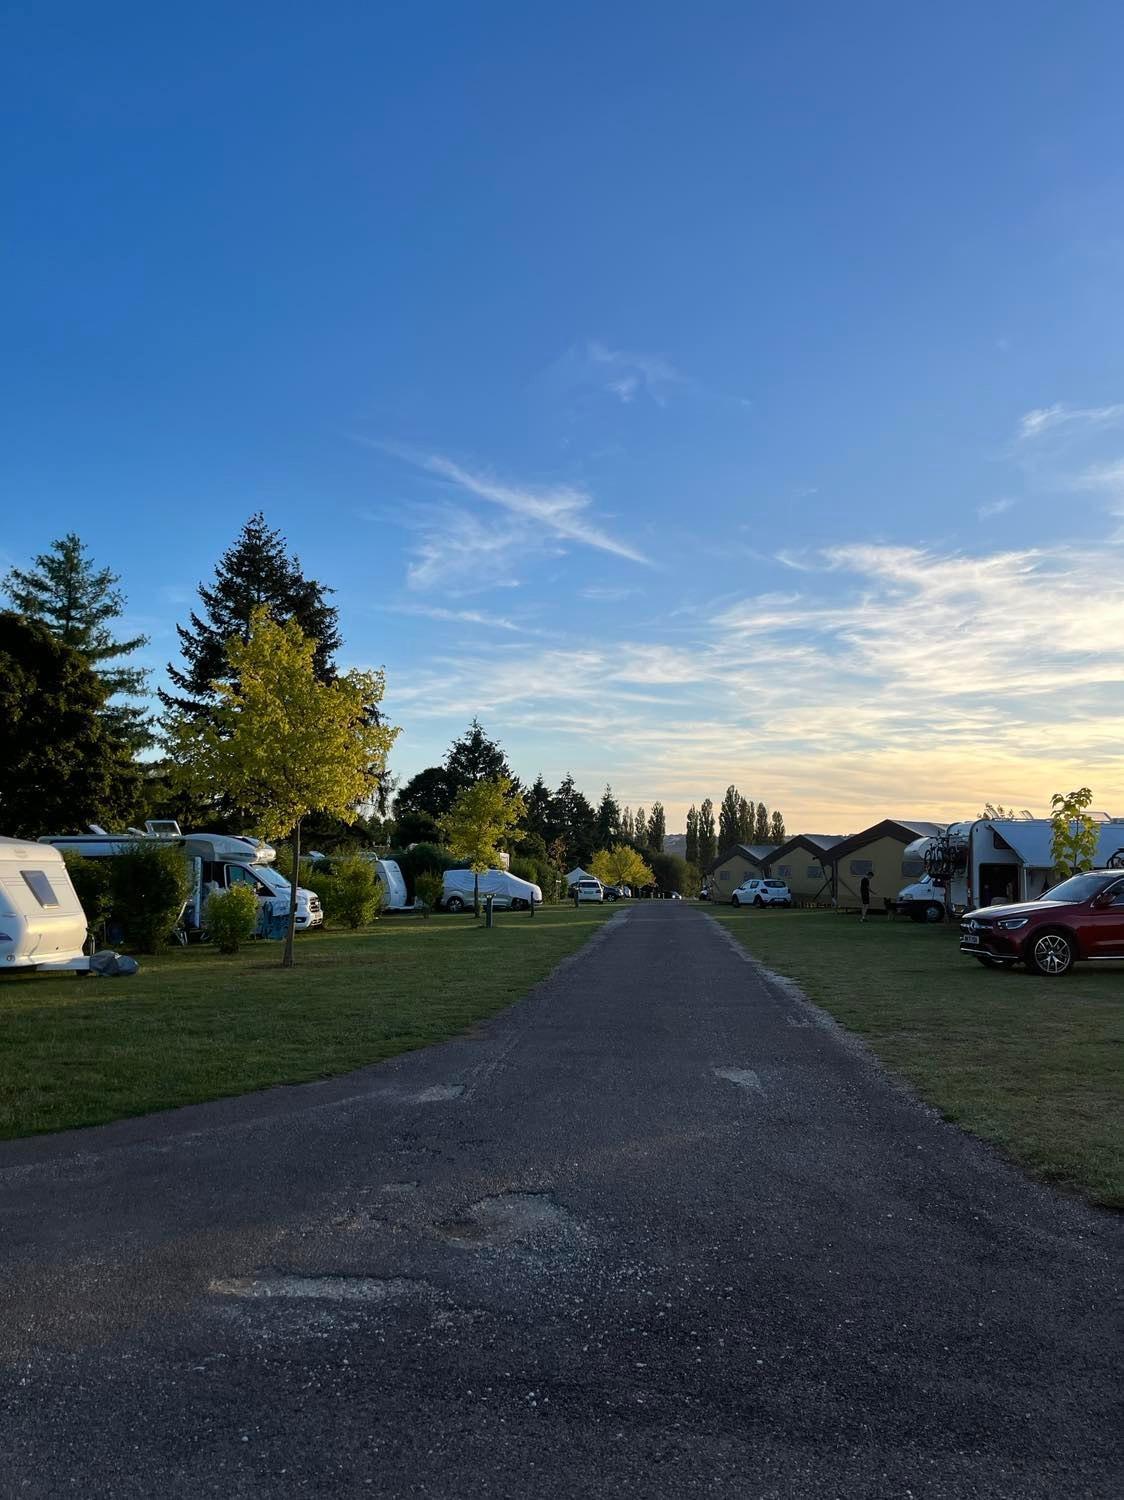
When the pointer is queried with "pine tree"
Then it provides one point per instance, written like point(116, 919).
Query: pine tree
point(761, 824)
point(474, 757)
point(640, 829)
point(776, 829)
point(707, 845)
point(538, 816)
point(77, 603)
point(692, 850)
point(608, 820)
point(657, 828)
point(256, 572)
point(574, 820)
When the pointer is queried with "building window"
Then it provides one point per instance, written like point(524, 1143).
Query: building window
point(40, 887)
point(724, 876)
point(862, 867)
point(913, 869)
point(813, 872)
point(784, 869)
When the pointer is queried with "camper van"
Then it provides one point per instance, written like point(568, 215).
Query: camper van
point(996, 860)
point(42, 924)
point(216, 862)
point(506, 890)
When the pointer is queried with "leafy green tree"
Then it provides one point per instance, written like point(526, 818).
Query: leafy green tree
point(777, 834)
point(61, 765)
point(761, 824)
point(256, 573)
point(91, 881)
point(284, 742)
point(692, 849)
point(421, 804)
point(674, 874)
point(640, 829)
point(731, 819)
point(78, 604)
point(149, 884)
point(357, 894)
point(621, 865)
point(608, 819)
point(484, 816)
point(707, 843)
point(657, 828)
point(1074, 833)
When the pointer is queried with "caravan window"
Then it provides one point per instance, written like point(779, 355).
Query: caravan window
point(40, 887)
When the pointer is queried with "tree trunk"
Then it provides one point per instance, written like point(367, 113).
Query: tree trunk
point(290, 931)
point(476, 893)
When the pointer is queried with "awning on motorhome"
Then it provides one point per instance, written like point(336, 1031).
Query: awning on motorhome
point(1033, 842)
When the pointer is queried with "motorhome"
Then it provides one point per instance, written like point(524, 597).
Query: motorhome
point(42, 924)
point(995, 860)
point(505, 890)
point(216, 861)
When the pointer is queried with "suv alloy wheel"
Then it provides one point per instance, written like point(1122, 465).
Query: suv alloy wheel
point(1050, 954)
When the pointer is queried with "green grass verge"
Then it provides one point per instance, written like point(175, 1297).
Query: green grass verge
point(1032, 1065)
point(195, 1025)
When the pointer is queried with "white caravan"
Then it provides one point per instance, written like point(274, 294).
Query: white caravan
point(506, 890)
point(216, 862)
point(42, 924)
point(997, 860)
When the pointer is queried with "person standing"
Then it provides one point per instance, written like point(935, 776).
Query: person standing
point(864, 894)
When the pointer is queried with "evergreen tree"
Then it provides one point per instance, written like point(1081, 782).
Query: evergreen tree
point(574, 822)
point(776, 829)
point(474, 757)
point(608, 820)
point(256, 572)
point(78, 603)
point(640, 829)
point(731, 819)
point(538, 818)
point(657, 828)
point(64, 766)
point(420, 805)
point(761, 824)
point(692, 850)
point(707, 846)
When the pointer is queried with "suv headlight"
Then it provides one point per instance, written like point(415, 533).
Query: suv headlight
point(1012, 922)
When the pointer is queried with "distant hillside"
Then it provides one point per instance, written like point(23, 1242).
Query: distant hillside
point(675, 843)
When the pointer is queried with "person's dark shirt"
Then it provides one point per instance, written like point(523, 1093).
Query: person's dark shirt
point(864, 889)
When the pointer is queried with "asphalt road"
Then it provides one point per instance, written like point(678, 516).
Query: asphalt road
point(660, 1229)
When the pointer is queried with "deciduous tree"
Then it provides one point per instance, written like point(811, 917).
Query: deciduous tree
point(1075, 834)
point(484, 816)
point(707, 844)
point(281, 740)
point(761, 824)
point(692, 849)
point(621, 865)
point(776, 829)
point(640, 829)
point(657, 828)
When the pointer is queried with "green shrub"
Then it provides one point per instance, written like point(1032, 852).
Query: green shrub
point(355, 894)
point(149, 884)
point(429, 888)
point(91, 881)
point(232, 917)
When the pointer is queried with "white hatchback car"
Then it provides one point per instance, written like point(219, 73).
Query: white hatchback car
point(762, 893)
point(588, 890)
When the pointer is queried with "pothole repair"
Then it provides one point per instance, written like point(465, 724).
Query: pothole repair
point(512, 1220)
point(744, 1078)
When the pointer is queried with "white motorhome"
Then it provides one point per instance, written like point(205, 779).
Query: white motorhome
point(216, 862)
point(42, 924)
point(997, 860)
point(505, 890)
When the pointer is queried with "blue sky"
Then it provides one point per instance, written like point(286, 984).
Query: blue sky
point(704, 393)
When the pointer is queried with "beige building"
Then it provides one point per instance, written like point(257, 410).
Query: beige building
point(802, 865)
point(733, 865)
point(877, 852)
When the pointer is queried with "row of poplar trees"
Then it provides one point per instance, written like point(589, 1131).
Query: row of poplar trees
point(740, 821)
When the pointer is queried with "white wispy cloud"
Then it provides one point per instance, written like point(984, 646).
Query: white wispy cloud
point(628, 374)
point(1052, 419)
point(992, 508)
point(481, 617)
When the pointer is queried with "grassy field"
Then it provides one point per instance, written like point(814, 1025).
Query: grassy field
point(196, 1025)
point(1033, 1065)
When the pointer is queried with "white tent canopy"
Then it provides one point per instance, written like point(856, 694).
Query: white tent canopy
point(578, 874)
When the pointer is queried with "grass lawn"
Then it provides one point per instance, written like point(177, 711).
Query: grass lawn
point(1033, 1065)
point(196, 1025)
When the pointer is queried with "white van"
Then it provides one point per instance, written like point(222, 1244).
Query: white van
point(42, 924)
point(506, 890)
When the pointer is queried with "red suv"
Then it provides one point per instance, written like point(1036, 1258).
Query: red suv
point(1081, 918)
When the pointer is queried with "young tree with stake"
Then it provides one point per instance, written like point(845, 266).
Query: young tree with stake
point(482, 816)
point(282, 742)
